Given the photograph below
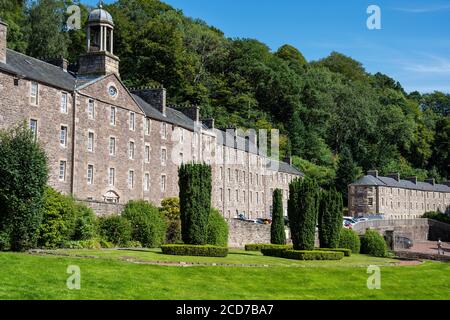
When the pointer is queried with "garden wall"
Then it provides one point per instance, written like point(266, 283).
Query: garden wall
point(103, 208)
point(243, 232)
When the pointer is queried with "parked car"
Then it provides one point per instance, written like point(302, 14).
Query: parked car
point(361, 219)
point(347, 224)
point(403, 242)
point(350, 219)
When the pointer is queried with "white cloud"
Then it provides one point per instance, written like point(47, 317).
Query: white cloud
point(432, 8)
point(436, 65)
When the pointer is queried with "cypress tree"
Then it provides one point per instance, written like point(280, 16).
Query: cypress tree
point(302, 211)
point(277, 234)
point(195, 202)
point(330, 218)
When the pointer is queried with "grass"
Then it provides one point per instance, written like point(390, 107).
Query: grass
point(25, 276)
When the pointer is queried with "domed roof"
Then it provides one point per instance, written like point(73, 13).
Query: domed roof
point(100, 15)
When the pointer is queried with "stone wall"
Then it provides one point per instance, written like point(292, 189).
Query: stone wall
point(421, 256)
point(103, 208)
point(243, 232)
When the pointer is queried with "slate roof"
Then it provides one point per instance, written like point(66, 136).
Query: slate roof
point(38, 70)
point(31, 68)
point(370, 180)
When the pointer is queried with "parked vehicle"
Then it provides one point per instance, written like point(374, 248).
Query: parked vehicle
point(347, 224)
point(403, 242)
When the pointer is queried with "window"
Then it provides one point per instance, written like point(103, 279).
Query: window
point(221, 173)
point(34, 94)
point(163, 183)
point(243, 195)
point(91, 109)
point(90, 141)
point(112, 146)
point(164, 130)
point(147, 126)
point(237, 195)
point(229, 195)
point(62, 171)
point(131, 150)
point(236, 173)
point(132, 120)
point(250, 196)
point(370, 201)
point(112, 116)
point(181, 135)
point(131, 179)
point(63, 136)
point(221, 194)
point(64, 102)
point(146, 182)
point(163, 156)
point(229, 174)
point(181, 157)
point(257, 197)
point(112, 177)
point(90, 174)
point(147, 153)
point(34, 126)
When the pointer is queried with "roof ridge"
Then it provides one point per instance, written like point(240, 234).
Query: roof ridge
point(37, 59)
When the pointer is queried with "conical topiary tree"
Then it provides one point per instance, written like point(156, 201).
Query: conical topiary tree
point(330, 218)
point(277, 233)
point(194, 181)
point(302, 212)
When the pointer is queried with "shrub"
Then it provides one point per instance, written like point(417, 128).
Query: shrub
point(277, 232)
point(274, 251)
point(346, 252)
point(147, 223)
point(312, 255)
point(83, 244)
point(134, 244)
point(373, 243)
point(116, 229)
point(302, 211)
point(170, 209)
point(438, 216)
point(260, 246)
point(85, 223)
point(217, 229)
point(4, 241)
point(330, 218)
point(23, 177)
point(194, 182)
point(350, 240)
point(194, 250)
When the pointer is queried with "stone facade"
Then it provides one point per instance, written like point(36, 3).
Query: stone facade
point(107, 144)
point(3, 30)
point(395, 198)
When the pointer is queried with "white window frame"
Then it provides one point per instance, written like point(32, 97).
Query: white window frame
point(112, 177)
point(163, 156)
point(91, 109)
point(62, 170)
point(132, 121)
point(34, 93)
point(63, 136)
point(130, 179)
point(112, 146)
point(148, 126)
point(163, 183)
point(90, 174)
point(63, 107)
point(131, 150)
point(112, 115)
point(90, 144)
point(147, 153)
point(163, 130)
point(146, 181)
point(34, 128)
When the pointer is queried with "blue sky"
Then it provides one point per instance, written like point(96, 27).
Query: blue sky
point(413, 45)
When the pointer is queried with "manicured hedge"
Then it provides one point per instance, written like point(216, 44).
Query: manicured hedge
point(373, 243)
point(259, 246)
point(349, 239)
point(303, 254)
point(277, 232)
point(346, 252)
point(312, 255)
point(194, 250)
point(217, 229)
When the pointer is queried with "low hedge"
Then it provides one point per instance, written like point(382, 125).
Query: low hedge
point(312, 255)
point(303, 254)
point(259, 246)
point(194, 250)
point(346, 252)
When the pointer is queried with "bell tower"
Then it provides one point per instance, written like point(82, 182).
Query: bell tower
point(99, 59)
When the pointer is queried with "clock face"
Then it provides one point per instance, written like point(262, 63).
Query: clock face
point(112, 91)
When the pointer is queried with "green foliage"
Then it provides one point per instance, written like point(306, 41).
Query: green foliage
point(373, 243)
point(148, 224)
point(303, 254)
point(194, 250)
point(260, 246)
point(85, 223)
point(349, 239)
point(438, 216)
point(345, 251)
point(93, 244)
point(23, 176)
point(330, 218)
point(346, 173)
point(324, 175)
point(302, 212)
point(170, 208)
point(194, 182)
point(116, 229)
point(217, 229)
point(277, 233)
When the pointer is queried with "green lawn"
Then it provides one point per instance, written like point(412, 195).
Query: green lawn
point(25, 276)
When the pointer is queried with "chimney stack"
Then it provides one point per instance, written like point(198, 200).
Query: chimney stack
point(373, 173)
point(59, 62)
point(191, 111)
point(3, 31)
point(412, 179)
point(209, 123)
point(430, 181)
point(156, 97)
point(394, 175)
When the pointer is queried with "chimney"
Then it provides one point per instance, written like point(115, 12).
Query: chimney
point(373, 173)
point(288, 160)
point(209, 123)
point(412, 179)
point(430, 181)
point(59, 62)
point(3, 31)
point(394, 175)
point(190, 111)
point(156, 97)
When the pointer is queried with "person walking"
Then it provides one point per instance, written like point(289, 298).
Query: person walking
point(439, 245)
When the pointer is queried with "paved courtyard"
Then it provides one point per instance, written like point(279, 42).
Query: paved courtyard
point(429, 247)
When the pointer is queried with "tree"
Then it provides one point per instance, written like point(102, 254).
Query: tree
point(277, 233)
point(330, 218)
point(292, 56)
point(194, 182)
point(23, 177)
point(170, 208)
point(302, 212)
point(346, 173)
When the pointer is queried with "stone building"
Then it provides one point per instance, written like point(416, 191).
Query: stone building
point(396, 198)
point(108, 144)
